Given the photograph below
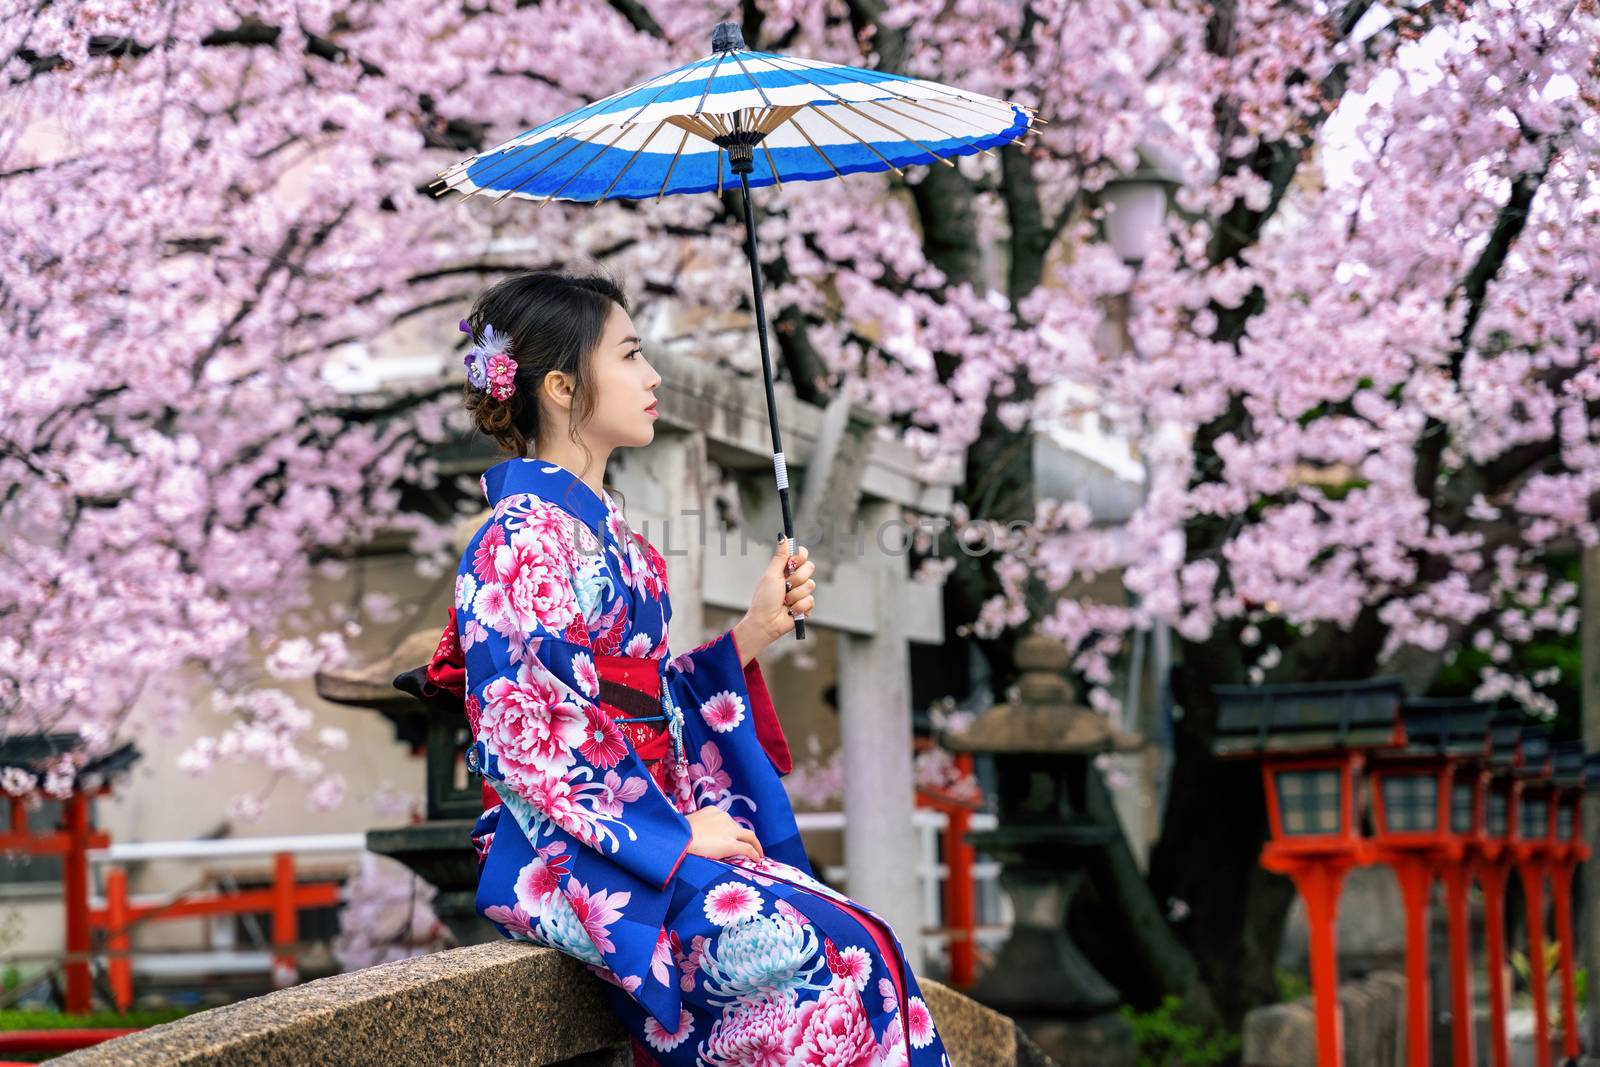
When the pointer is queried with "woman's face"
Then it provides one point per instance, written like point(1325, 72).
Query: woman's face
point(624, 388)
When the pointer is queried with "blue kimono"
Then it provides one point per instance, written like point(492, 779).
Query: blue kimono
point(576, 710)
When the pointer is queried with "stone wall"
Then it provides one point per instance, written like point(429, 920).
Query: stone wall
point(501, 1002)
point(1374, 1010)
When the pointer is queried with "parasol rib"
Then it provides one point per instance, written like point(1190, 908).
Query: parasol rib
point(701, 106)
point(865, 144)
point(795, 122)
point(673, 165)
point(586, 165)
point(762, 92)
point(629, 163)
point(575, 146)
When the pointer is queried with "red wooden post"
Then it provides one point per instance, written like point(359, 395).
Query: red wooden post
point(1319, 882)
point(1533, 831)
point(285, 921)
point(1457, 878)
point(960, 901)
point(1493, 877)
point(1422, 829)
point(961, 898)
point(1532, 872)
point(120, 966)
point(75, 891)
point(1513, 749)
point(71, 840)
point(1415, 875)
point(1564, 854)
point(1318, 864)
point(1561, 896)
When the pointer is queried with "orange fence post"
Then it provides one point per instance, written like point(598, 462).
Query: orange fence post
point(960, 903)
point(961, 891)
point(117, 940)
point(285, 921)
point(75, 891)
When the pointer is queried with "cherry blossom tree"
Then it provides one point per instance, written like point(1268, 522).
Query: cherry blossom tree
point(1361, 367)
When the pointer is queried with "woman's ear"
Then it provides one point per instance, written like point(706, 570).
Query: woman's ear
point(557, 387)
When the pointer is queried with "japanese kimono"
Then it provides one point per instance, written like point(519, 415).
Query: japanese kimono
point(596, 743)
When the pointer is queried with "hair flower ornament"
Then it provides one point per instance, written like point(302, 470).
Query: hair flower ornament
point(489, 366)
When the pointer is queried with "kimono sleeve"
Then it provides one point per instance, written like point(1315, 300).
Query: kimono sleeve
point(711, 680)
point(543, 731)
point(559, 762)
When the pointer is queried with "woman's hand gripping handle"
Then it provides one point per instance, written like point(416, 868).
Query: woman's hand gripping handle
point(786, 589)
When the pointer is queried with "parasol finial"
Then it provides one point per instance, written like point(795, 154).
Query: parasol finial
point(727, 37)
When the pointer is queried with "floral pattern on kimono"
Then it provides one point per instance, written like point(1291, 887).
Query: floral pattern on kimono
point(721, 962)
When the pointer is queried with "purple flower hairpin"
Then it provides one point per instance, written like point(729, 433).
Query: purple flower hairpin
point(489, 365)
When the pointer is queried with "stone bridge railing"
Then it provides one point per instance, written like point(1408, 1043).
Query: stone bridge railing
point(502, 1003)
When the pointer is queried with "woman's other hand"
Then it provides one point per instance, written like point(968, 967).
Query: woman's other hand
point(786, 588)
point(717, 836)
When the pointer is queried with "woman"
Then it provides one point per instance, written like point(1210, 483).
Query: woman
point(641, 826)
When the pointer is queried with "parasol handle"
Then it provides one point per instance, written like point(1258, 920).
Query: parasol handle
point(779, 469)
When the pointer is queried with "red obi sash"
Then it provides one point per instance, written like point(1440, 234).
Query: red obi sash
point(630, 688)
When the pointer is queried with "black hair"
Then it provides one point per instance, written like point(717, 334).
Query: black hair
point(553, 320)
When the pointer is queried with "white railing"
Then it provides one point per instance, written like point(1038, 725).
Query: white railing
point(994, 917)
point(215, 848)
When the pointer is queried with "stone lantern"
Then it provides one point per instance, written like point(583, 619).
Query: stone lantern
point(1041, 744)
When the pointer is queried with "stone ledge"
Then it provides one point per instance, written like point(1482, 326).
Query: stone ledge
point(501, 1002)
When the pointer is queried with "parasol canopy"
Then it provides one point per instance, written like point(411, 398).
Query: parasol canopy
point(808, 120)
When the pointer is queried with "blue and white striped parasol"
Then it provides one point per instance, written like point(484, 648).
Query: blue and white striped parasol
point(759, 117)
point(808, 121)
